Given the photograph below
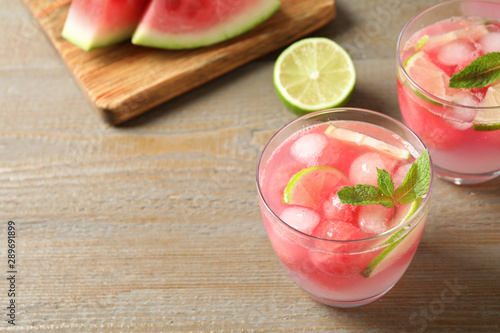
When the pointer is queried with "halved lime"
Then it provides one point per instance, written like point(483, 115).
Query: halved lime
point(489, 120)
point(310, 187)
point(365, 140)
point(314, 74)
point(397, 247)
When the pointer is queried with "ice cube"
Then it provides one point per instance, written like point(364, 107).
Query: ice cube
point(336, 257)
point(277, 181)
point(331, 156)
point(300, 218)
point(490, 42)
point(307, 148)
point(334, 209)
point(457, 53)
point(461, 118)
point(464, 97)
point(400, 174)
point(338, 230)
point(364, 168)
point(374, 219)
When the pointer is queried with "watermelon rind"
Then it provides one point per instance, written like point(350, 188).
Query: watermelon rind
point(93, 24)
point(236, 26)
point(88, 40)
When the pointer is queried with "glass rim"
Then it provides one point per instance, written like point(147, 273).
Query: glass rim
point(388, 232)
point(409, 78)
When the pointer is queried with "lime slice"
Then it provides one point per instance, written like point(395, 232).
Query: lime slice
point(427, 75)
point(314, 74)
point(310, 187)
point(365, 140)
point(403, 214)
point(489, 120)
point(397, 247)
point(471, 33)
point(421, 42)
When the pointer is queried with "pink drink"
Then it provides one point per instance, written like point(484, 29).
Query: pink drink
point(460, 127)
point(324, 245)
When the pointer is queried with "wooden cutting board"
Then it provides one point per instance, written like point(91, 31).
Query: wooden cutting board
point(125, 80)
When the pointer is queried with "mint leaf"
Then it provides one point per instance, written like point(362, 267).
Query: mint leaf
point(414, 186)
point(479, 73)
point(363, 194)
point(385, 183)
point(417, 180)
point(423, 164)
point(405, 193)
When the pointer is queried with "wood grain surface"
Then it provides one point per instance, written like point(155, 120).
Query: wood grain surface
point(154, 225)
point(125, 80)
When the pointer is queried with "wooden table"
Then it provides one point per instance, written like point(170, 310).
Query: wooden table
point(154, 226)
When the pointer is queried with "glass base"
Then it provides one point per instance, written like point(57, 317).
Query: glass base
point(348, 304)
point(464, 178)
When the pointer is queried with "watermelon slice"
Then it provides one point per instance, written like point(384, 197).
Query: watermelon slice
point(184, 24)
point(93, 24)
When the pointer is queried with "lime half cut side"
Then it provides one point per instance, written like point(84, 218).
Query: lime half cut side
point(398, 244)
point(314, 74)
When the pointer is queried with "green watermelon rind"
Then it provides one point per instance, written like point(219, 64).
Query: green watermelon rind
point(87, 41)
point(238, 25)
point(88, 36)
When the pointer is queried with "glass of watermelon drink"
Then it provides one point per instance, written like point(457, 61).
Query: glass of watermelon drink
point(343, 255)
point(460, 126)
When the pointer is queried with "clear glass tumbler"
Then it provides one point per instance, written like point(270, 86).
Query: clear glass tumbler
point(460, 127)
point(330, 270)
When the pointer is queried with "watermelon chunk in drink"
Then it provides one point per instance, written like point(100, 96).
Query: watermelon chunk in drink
point(333, 208)
point(335, 258)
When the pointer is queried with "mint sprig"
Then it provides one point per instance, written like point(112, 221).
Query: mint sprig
point(479, 73)
point(414, 186)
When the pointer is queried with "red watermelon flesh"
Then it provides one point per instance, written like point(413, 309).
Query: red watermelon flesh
point(180, 24)
point(93, 24)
